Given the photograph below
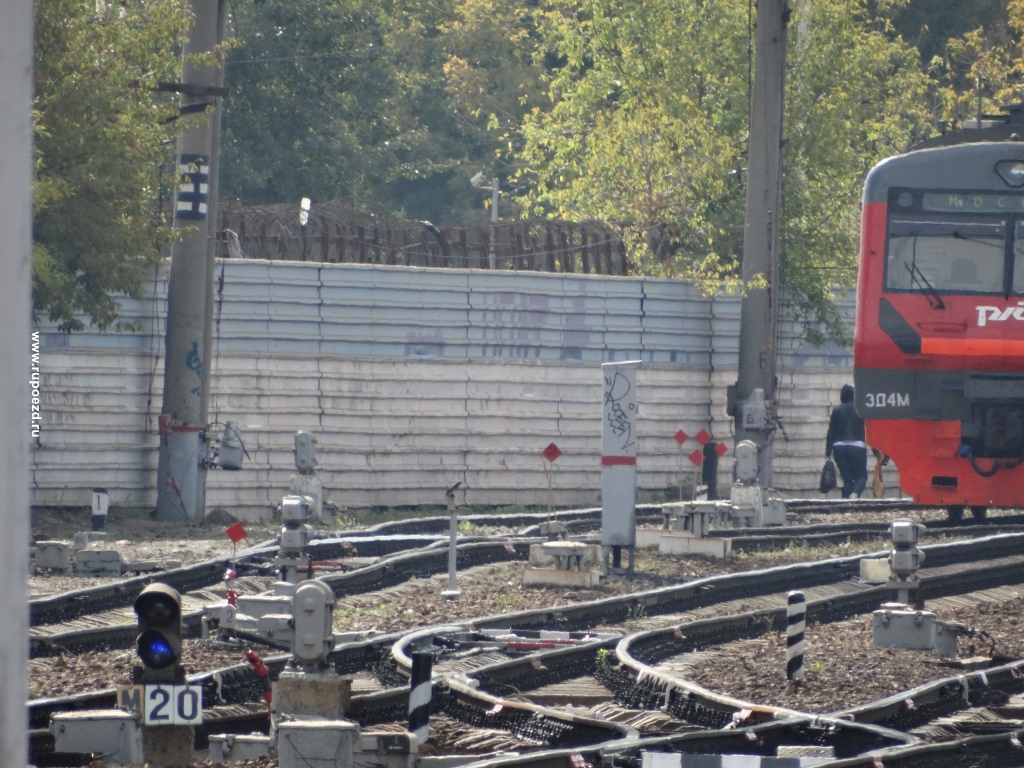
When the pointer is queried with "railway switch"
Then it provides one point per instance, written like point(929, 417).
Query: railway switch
point(158, 607)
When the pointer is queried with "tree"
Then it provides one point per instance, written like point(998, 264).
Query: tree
point(648, 124)
point(856, 94)
point(101, 134)
point(339, 100)
point(645, 128)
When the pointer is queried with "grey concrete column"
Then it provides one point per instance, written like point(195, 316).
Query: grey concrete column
point(16, 406)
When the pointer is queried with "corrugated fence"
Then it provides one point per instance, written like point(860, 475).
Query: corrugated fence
point(412, 379)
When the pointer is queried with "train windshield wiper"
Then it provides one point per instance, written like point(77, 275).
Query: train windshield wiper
point(917, 276)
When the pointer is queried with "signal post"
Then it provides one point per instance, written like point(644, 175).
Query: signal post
point(753, 399)
point(168, 706)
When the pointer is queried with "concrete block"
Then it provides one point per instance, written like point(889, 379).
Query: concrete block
point(52, 556)
point(648, 538)
point(553, 529)
point(235, 748)
point(322, 695)
point(256, 606)
point(875, 570)
point(773, 513)
point(682, 543)
point(275, 627)
point(140, 565)
point(316, 743)
point(547, 554)
point(895, 626)
point(748, 504)
point(82, 539)
point(381, 749)
point(554, 577)
point(114, 733)
point(98, 562)
point(101, 555)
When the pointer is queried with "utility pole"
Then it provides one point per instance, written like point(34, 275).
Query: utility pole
point(181, 472)
point(752, 402)
point(16, 406)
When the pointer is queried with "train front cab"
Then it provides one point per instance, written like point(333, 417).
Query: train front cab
point(939, 340)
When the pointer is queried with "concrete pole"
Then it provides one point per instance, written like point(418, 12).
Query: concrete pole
point(761, 234)
point(453, 592)
point(213, 241)
point(181, 473)
point(15, 397)
point(494, 223)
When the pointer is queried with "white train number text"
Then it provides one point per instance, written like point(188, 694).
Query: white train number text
point(887, 400)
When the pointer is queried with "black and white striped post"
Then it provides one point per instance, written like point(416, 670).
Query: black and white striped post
point(419, 696)
point(796, 615)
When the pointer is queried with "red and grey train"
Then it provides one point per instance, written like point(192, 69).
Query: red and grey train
point(939, 341)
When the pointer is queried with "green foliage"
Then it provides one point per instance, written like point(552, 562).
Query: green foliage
point(855, 95)
point(648, 130)
point(100, 139)
point(347, 99)
point(645, 129)
point(635, 114)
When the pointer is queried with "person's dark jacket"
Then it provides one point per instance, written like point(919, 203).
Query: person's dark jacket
point(844, 426)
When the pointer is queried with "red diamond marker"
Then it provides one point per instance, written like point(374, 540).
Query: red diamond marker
point(702, 437)
point(721, 449)
point(552, 452)
point(236, 533)
point(697, 457)
point(681, 437)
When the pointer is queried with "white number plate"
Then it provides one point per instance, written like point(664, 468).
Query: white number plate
point(167, 704)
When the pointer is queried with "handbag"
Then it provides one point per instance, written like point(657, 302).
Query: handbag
point(828, 476)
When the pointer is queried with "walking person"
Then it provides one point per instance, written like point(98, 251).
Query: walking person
point(845, 445)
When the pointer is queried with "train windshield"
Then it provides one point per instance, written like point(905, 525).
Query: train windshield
point(940, 253)
point(942, 242)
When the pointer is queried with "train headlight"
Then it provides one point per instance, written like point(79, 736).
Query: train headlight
point(1012, 172)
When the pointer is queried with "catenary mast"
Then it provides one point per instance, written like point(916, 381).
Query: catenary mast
point(752, 402)
point(181, 473)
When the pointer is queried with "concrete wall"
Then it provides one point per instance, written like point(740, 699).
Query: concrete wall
point(412, 379)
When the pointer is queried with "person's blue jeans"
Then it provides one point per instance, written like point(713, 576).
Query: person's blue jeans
point(852, 463)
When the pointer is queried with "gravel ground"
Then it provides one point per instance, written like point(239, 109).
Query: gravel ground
point(838, 664)
point(842, 667)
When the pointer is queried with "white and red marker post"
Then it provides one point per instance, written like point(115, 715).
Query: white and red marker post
point(618, 462)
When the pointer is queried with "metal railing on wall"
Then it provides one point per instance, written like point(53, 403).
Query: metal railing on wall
point(334, 234)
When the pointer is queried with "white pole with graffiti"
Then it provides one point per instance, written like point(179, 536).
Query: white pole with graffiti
point(618, 462)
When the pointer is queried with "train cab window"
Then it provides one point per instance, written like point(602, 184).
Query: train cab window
point(944, 255)
point(1017, 284)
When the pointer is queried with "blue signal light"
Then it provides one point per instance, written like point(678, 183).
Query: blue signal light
point(156, 650)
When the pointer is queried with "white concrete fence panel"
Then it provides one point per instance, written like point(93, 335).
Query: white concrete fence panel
point(411, 379)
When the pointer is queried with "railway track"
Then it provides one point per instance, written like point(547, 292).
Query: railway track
point(474, 680)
